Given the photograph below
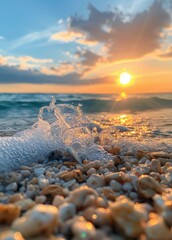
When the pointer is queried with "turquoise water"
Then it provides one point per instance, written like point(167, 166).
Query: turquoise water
point(149, 113)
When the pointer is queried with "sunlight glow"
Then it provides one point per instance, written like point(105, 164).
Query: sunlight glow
point(125, 78)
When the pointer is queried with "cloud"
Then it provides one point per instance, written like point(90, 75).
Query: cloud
point(72, 36)
point(88, 57)
point(11, 74)
point(123, 38)
point(34, 37)
point(167, 55)
point(24, 62)
point(2, 38)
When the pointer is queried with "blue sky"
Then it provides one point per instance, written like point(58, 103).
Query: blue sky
point(55, 38)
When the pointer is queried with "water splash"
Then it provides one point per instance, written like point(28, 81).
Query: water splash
point(61, 127)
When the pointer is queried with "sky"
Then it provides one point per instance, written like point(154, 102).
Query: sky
point(83, 46)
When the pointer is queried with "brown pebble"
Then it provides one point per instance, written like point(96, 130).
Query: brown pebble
point(78, 175)
point(51, 191)
point(109, 194)
point(8, 212)
point(16, 197)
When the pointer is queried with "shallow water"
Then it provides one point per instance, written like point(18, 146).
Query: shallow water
point(139, 122)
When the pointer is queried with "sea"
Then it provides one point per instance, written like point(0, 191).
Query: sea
point(31, 125)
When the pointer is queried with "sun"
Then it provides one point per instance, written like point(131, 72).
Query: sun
point(125, 78)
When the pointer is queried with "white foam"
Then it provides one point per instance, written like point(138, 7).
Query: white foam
point(59, 127)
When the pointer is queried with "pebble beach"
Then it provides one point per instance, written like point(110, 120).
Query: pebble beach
point(129, 197)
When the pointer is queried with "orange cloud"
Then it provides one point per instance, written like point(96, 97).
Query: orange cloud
point(72, 36)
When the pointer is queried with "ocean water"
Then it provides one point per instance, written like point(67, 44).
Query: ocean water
point(31, 125)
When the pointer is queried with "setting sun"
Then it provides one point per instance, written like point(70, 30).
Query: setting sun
point(125, 78)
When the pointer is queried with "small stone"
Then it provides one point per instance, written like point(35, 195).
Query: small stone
point(42, 182)
point(25, 204)
point(128, 217)
point(160, 154)
point(16, 197)
point(156, 228)
point(83, 197)
point(66, 211)
point(66, 175)
point(58, 200)
point(12, 187)
point(148, 187)
point(155, 166)
point(83, 229)
point(95, 181)
point(116, 186)
point(42, 219)
point(164, 161)
point(127, 187)
point(109, 194)
point(167, 212)
point(91, 171)
point(38, 171)
point(78, 175)
point(8, 213)
point(52, 190)
point(13, 177)
point(11, 235)
point(98, 216)
point(40, 199)
point(25, 173)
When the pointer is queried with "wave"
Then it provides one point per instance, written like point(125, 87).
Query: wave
point(63, 129)
point(93, 105)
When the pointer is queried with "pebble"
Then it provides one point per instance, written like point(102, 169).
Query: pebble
point(40, 199)
point(156, 229)
point(42, 219)
point(25, 204)
point(83, 229)
point(66, 211)
point(98, 216)
point(39, 171)
point(148, 187)
point(116, 186)
point(127, 187)
point(12, 187)
point(167, 213)
point(52, 190)
point(16, 197)
point(91, 171)
point(42, 182)
point(95, 181)
point(159, 154)
point(11, 235)
point(8, 213)
point(155, 166)
point(58, 200)
point(128, 217)
point(83, 197)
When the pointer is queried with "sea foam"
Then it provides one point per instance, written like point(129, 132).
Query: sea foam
point(59, 127)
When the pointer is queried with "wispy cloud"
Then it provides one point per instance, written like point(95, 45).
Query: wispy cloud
point(35, 37)
point(2, 38)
